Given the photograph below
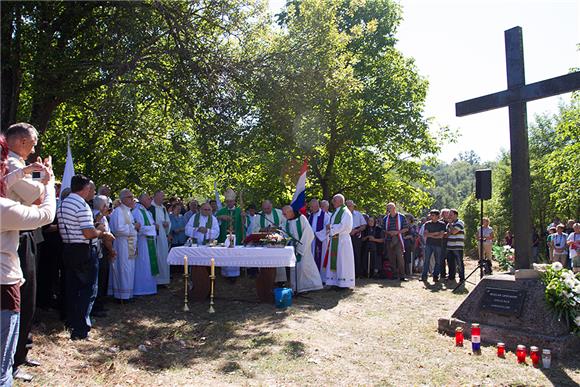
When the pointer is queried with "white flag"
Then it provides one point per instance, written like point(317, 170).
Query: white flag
point(217, 196)
point(69, 169)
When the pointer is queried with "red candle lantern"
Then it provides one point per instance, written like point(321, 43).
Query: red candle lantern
point(500, 350)
point(535, 356)
point(459, 337)
point(521, 353)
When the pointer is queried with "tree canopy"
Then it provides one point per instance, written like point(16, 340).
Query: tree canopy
point(177, 95)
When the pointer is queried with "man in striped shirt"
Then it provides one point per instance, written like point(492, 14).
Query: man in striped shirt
point(75, 222)
point(455, 243)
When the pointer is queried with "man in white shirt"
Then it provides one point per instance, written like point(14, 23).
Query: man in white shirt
point(16, 217)
point(80, 260)
point(21, 139)
point(359, 223)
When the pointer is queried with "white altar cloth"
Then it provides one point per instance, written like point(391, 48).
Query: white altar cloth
point(237, 256)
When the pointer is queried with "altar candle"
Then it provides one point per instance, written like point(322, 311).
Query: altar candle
point(521, 353)
point(212, 267)
point(185, 264)
point(500, 350)
point(535, 356)
point(459, 337)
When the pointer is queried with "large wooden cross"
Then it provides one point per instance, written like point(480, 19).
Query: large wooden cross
point(515, 97)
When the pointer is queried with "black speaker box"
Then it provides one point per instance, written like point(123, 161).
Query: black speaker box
point(483, 184)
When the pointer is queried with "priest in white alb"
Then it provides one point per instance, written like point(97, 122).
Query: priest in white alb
point(122, 269)
point(338, 264)
point(161, 218)
point(146, 268)
point(267, 218)
point(203, 227)
point(305, 276)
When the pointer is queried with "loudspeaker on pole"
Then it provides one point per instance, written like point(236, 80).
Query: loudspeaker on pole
point(483, 184)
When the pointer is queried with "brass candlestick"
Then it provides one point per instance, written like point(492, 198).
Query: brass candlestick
point(186, 284)
point(212, 281)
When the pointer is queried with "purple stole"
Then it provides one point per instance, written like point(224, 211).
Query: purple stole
point(318, 243)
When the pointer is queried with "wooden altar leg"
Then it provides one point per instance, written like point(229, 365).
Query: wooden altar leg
point(200, 279)
point(265, 284)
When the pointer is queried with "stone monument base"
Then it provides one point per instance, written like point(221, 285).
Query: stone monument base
point(513, 311)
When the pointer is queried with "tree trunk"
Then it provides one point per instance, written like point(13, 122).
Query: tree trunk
point(11, 73)
point(42, 109)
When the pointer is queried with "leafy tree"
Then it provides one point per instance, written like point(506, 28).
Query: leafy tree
point(469, 212)
point(335, 90)
point(554, 172)
point(455, 181)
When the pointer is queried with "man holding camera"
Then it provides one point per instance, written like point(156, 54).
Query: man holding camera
point(21, 139)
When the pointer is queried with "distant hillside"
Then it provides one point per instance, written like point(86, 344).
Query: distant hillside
point(454, 181)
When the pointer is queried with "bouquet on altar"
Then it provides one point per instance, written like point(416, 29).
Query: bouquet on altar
point(272, 238)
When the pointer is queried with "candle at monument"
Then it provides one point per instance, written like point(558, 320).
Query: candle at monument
point(459, 337)
point(546, 358)
point(521, 353)
point(500, 350)
point(212, 270)
point(535, 356)
point(476, 339)
point(185, 264)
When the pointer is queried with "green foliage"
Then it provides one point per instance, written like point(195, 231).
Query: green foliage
point(178, 95)
point(336, 91)
point(499, 207)
point(504, 255)
point(563, 294)
point(560, 166)
point(554, 172)
point(455, 181)
point(469, 212)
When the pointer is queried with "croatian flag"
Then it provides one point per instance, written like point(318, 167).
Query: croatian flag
point(299, 198)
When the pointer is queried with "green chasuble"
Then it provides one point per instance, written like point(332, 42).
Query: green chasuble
point(334, 239)
point(150, 245)
point(237, 224)
point(295, 238)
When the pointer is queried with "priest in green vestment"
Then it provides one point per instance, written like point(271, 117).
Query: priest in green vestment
point(232, 219)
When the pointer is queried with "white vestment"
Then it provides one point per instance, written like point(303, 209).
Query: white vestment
point(267, 220)
point(122, 269)
point(305, 276)
point(210, 234)
point(145, 282)
point(161, 216)
point(343, 275)
point(262, 220)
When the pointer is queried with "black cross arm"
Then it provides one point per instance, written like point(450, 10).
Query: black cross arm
point(543, 89)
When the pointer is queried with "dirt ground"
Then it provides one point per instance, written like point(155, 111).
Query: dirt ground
point(382, 333)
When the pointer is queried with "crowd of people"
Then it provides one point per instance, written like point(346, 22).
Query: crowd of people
point(563, 243)
point(76, 249)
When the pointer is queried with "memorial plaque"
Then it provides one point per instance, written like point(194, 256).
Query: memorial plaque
point(503, 301)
